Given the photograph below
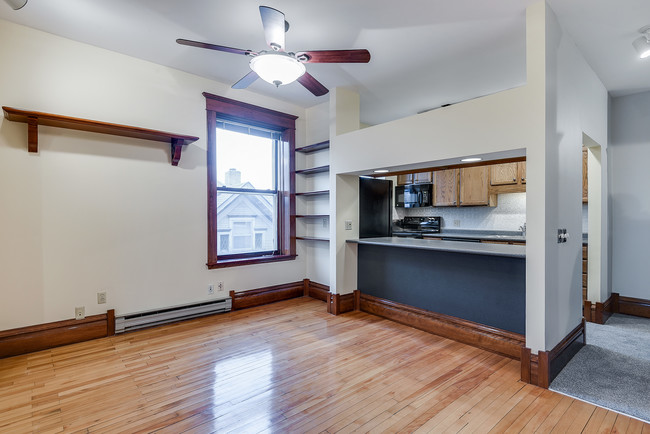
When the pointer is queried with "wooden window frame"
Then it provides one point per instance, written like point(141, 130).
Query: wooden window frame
point(236, 111)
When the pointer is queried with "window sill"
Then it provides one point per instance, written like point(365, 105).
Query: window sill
point(250, 261)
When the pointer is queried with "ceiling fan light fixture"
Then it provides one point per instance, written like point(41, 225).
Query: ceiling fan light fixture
point(642, 44)
point(277, 68)
point(16, 4)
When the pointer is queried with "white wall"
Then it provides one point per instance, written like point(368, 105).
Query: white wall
point(547, 117)
point(629, 154)
point(576, 106)
point(94, 212)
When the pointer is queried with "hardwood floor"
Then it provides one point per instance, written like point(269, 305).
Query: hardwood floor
point(285, 367)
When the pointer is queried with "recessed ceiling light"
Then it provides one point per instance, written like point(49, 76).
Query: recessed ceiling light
point(381, 171)
point(471, 159)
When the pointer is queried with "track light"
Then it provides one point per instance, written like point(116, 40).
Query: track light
point(642, 44)
point(16, 4)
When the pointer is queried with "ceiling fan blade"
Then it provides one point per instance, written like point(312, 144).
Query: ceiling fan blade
point(334, 56)
point(312, 85)
point(215, 47)
point(246, 80)
point(274, 27)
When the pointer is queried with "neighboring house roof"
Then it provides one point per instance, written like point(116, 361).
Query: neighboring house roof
point(244, 204)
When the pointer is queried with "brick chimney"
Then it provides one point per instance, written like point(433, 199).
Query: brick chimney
point(233, 178)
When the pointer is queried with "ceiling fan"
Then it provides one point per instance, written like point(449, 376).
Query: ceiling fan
point(278, 66)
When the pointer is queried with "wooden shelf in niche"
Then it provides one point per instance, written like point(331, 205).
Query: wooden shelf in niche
point(314, 193)
point(34, 119)
point(315, 147)
point(313, 170)
point(312, 216)
point(312, 238)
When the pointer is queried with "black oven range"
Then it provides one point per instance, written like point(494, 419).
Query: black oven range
point(416, 227)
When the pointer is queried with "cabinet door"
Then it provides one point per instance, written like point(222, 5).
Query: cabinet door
point(585, 187)
point(503, 174)
point(474, 186)
point(421, 177)
point(445, 187)
point(405, 179)
point(522, 171)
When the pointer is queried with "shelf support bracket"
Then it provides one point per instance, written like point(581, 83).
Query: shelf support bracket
point(177, 148)
point(32, 134)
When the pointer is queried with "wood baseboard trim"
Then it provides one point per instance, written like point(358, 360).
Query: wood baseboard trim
point(488, 338)
point(598, 312)
point(318, 291)
point(542, 369)
point(25, 340)
point(529, 366)
point(602, 311)
point(631, 306)
point(266, 295)
point(340, 303)
point(587, 310)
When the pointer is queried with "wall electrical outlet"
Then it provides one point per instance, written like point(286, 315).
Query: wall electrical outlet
point(457, 223)
point(210, 289)
point(220, 286)
point(101, 297)
point(348, 225)
point(79, 312)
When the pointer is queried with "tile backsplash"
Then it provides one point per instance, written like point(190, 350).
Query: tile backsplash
point(508, 215)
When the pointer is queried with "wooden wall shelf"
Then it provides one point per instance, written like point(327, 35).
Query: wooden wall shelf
point(314, 193)
point(312, 238)
point(34, 119)
point(312, 216)
point(315, 147)
point(313, 170)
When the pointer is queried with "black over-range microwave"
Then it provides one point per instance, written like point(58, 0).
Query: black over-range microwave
point(413, 195)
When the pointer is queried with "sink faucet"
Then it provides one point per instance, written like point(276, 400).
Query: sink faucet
point(523, 229)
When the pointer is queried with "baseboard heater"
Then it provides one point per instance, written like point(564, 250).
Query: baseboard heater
point(138, 320)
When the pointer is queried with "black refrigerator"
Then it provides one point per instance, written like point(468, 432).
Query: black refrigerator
point(375, 207)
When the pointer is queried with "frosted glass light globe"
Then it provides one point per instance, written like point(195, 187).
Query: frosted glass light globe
point(277, 68)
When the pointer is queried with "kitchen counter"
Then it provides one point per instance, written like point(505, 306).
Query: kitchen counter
point(507, 250)
point(480, 282)
point(469, 234)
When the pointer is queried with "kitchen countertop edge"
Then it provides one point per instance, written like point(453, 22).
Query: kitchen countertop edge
point(509, 250)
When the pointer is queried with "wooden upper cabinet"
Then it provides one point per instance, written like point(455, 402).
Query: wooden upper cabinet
point(504, 174)
point(422, 177)
point(445, 188)
point(508, 177)
point(585, 187)
point(414, 178)
point(474, 186)
point(405, 179)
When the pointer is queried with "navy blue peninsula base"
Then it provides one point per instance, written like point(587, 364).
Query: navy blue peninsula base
point(479, 282)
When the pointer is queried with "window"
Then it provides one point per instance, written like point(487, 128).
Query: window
point(250, 183)
point(224, 243)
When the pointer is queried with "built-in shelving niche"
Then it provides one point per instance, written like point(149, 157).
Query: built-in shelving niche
point(312, 171)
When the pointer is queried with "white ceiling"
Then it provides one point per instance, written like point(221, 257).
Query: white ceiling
point(425, 53)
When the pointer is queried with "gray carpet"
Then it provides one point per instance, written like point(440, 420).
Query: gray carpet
point(613, 369)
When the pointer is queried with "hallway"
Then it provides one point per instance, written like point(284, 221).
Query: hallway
point(613, 369)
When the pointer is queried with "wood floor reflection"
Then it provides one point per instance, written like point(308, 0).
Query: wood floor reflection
point(285, 367)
